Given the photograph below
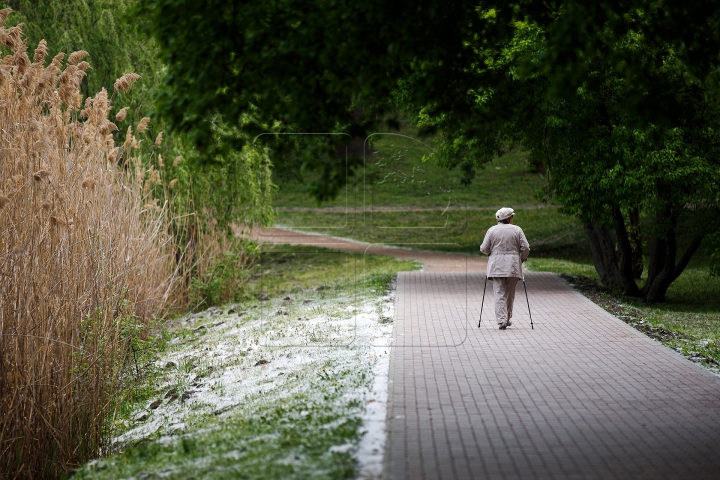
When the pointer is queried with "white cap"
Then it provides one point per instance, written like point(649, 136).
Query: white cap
point(504, 213)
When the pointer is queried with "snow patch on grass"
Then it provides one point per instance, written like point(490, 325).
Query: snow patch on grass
point(280, 364)
point(371, 449)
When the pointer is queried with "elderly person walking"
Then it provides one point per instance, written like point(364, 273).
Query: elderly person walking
point(507, 247)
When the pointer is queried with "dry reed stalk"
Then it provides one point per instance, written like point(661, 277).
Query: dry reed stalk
point(80, 259)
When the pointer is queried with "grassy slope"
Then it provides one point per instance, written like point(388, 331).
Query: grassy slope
point(547, 230)
point(397, 177)
point(280, 419)
point(505, 180)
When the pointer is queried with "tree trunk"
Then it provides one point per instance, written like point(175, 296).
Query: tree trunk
point(635, 238)
point(614, 273)
point(658, 246)
point(655, 290)
point(662, 269)
point(663, 265)
point(626, 255)
point(603, 255)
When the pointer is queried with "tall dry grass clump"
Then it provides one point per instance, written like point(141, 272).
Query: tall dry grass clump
point(84, 257)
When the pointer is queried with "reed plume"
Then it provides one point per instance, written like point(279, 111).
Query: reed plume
point(124, 83)
point(81, 262)
point(76, 57)
point(142, 126)
point(121, 114)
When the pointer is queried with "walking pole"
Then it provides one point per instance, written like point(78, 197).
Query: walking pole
point(528, 302)
point(483, 301)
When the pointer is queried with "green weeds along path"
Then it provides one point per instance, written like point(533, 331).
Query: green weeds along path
point(275, 387)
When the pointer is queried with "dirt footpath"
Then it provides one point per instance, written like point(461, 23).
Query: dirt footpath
point(433, 261)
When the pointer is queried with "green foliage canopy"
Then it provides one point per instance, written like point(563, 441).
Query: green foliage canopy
point(618, 97)
point(333, 66)
point(304, 65)
point(608, 165)
point(115, 46)
point(320, 66)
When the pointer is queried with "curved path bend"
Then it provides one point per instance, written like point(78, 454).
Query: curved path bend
point(433, 261)
point(580, 396)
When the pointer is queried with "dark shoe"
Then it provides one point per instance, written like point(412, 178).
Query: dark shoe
point(508, 323)
point(503, 326)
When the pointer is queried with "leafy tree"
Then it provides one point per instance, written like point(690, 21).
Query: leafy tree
point(618, 97)
point(297, 66)
point(332, 66)
point(605, 166)
point(578, 32)
point(115, 46)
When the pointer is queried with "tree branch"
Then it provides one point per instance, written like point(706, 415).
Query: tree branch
point(687, 255)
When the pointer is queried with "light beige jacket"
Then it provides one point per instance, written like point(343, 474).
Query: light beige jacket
point(508, 248)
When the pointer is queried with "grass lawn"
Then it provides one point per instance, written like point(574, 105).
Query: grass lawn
point(399, 199)
point(692, 306)
point(402, 199)
point(272, 387)
point(396, 175)
point(548, 231)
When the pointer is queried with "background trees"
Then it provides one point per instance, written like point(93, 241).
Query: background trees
point(609, 165)
point(110, 33)
point(290, 66)
point(617, 98)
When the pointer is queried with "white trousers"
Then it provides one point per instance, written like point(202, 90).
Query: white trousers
point(504, 290)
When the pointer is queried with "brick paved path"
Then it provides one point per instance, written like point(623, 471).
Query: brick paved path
point(581, 396)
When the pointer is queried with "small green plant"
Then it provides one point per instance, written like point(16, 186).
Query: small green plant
point(712, 243)
point(222, 282)
point(380, 281)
